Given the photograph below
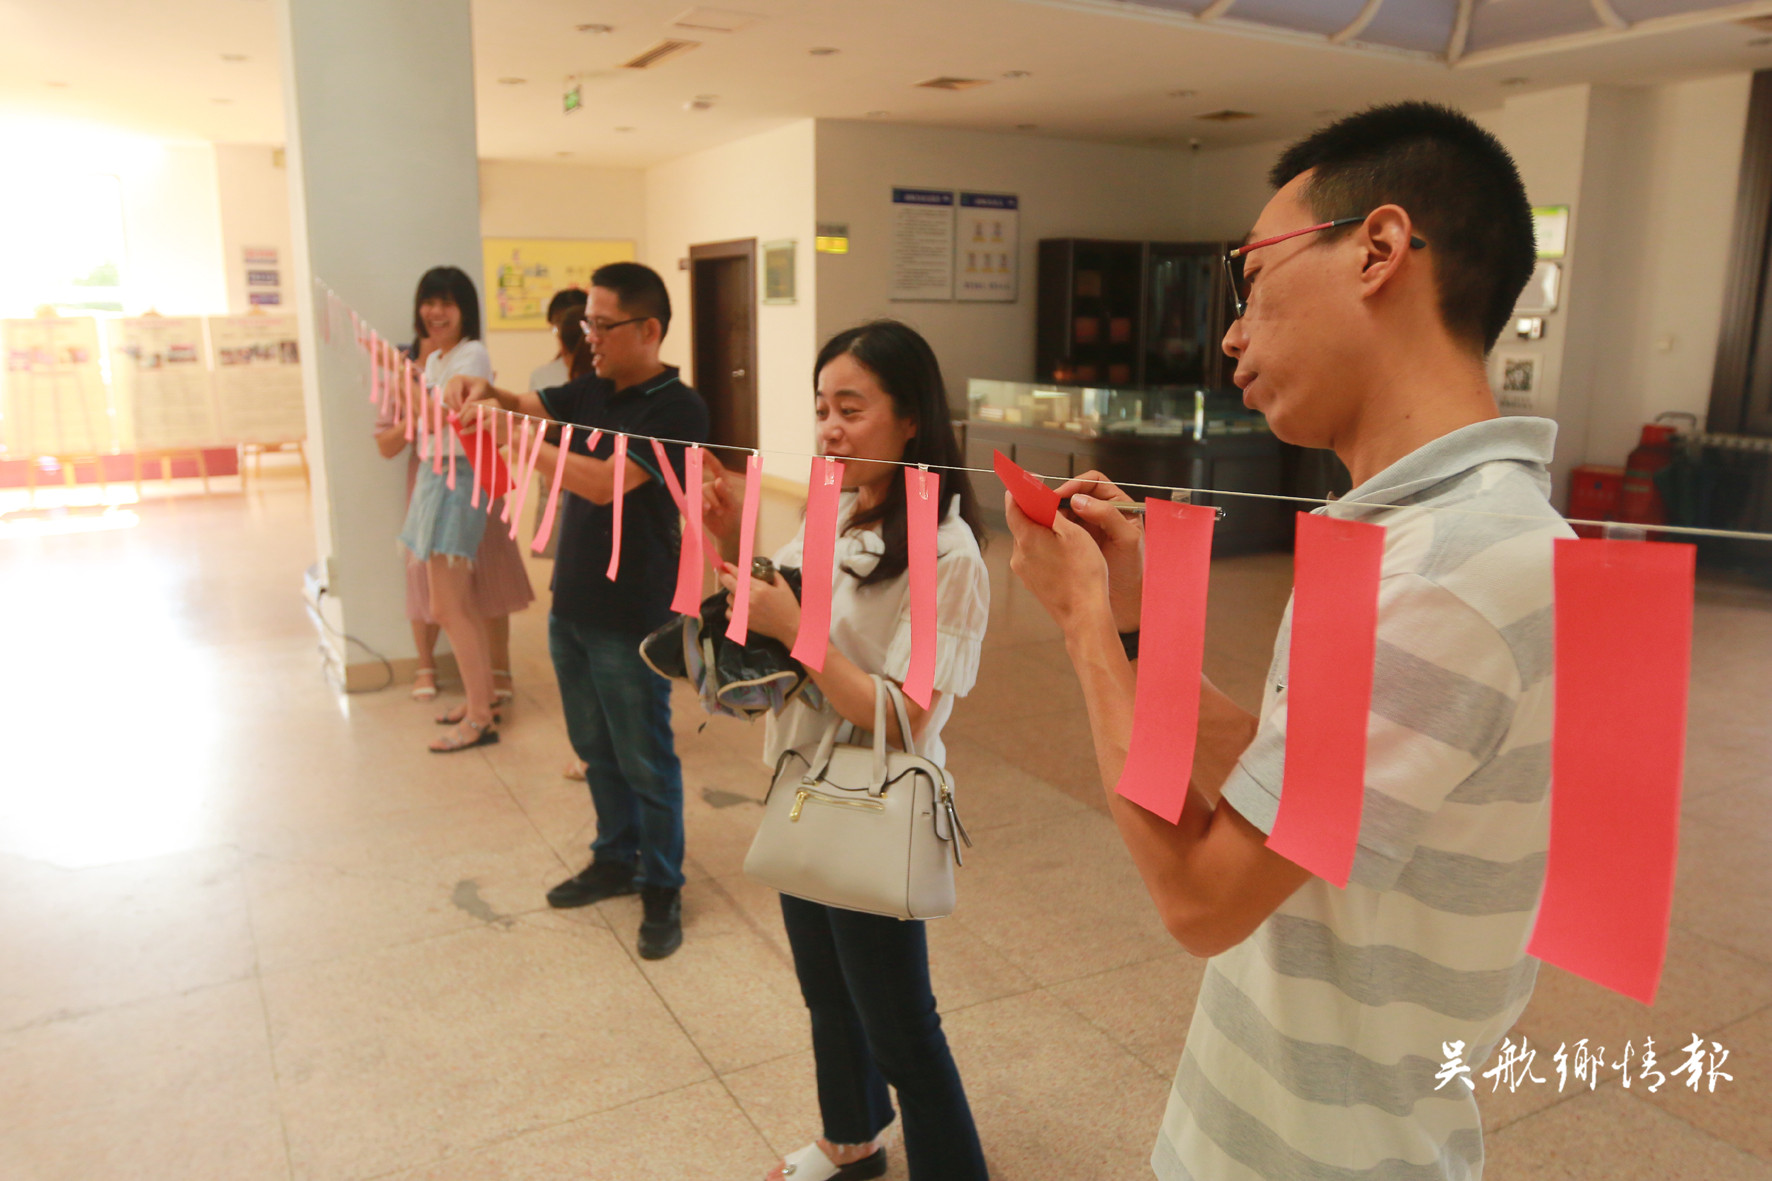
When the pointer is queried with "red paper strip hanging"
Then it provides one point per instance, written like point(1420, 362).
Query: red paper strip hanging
point(1172, 647)
point(687, 599)
point(1036, 501)
point(545, 530)
point(526, 479)
point(618, 473)
point(1623, 659)
point(738, 627)
point(479, 452)
point(707, 545)
point(824, 496)
point(922, 491)
point(1329, 694)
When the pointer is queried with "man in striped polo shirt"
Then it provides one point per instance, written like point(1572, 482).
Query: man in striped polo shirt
point(1372, 287)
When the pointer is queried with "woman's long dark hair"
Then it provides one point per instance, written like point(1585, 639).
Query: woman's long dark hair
point(453, 284)
point(906, 368)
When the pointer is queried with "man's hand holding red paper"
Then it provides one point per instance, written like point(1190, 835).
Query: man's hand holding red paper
point(1090, 557)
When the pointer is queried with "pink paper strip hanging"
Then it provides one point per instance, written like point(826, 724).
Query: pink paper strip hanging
point(707, 545)
point(545, 530)
point(528, 478)
point(454, 425)
point(405, 394)
point(375, 390)
point(440, 441)
point(479, 454)
point(1623, 660)
point(1172, 647)
point(923, 514)
point(687, 599)
point(518, 455)
point(1329, 694)
point(618, 475)
point(738, 629)
point(824, 495)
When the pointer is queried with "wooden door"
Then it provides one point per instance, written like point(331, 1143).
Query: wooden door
point(723, 319)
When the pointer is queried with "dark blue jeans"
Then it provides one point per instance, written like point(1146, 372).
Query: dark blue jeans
point(618, 716)
point(866, 980)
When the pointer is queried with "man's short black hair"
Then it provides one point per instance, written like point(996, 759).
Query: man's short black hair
point(564, 298)
point(638, 289)
point(1457, 183)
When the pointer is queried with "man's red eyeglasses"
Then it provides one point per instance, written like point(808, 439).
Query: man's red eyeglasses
point(1233, 259)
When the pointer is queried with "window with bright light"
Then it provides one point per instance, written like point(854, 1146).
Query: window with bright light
point(62, 244)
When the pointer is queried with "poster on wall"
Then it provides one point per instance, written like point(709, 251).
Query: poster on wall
point(162, 376)
point(264, 278)
point(922, 244)
point(523, 274)
point(985, 247)
point(258, 395)
point(55, 400)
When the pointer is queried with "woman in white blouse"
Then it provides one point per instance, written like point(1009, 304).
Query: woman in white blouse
point(443, 529)
point(880, 403)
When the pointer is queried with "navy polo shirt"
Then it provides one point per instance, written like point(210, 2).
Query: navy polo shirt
point(639, 599)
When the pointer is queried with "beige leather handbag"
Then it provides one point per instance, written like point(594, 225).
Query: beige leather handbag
point(862, 827)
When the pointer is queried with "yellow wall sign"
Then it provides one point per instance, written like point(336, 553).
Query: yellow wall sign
point(524, 273)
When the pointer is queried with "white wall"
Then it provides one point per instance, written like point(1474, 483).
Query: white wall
point(253, 199)
point(519, 199)
point(172, 215)
point(1066, 189)
point(760, 187)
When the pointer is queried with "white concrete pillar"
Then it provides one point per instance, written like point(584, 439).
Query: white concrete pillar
point(383, 175)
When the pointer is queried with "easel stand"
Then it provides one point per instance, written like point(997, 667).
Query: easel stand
point(257, 450)
point(166, 458)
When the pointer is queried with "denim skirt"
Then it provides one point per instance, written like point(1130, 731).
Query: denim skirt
point(439, 520)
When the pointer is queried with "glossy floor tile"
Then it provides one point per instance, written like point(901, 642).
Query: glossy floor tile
point(250, 928)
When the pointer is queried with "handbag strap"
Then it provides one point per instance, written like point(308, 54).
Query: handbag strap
point(884, 690)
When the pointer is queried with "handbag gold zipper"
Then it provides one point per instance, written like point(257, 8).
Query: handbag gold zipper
point(801, 796)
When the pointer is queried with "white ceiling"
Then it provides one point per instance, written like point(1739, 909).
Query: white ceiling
point(1092, 73)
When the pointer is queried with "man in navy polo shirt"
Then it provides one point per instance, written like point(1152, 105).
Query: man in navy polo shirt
point(618, 711)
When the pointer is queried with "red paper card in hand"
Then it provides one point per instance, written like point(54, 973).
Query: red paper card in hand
point(1037, 502)
point(1172, 642)
point(1329, 694)
point(1623, 659)
point(922, 490)
point(491, 474)
point(824, 496)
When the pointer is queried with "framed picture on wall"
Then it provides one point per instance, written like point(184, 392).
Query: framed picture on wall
point(778, 271)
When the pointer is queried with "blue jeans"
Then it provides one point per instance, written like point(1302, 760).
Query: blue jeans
point(866, 981)
point(618, 716)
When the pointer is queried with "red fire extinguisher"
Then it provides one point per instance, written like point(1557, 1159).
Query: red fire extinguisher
point(1639, 501)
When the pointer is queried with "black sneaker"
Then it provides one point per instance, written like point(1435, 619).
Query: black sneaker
point(661, 931)
point(600, 880)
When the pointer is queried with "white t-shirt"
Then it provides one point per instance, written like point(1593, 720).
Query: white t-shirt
point(547, 377)
point(468, 358)
point(871, 625)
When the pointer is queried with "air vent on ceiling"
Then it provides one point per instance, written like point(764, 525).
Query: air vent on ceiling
point(946, 83)
point(1226, 116)
point(663, 51)
point(716, 20)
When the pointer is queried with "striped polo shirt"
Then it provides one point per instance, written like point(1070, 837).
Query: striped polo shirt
point(1317, 1043)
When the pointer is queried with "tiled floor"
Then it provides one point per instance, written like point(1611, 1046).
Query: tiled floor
point(251, 929)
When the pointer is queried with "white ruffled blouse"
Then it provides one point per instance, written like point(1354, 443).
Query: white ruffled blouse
point(871, 625)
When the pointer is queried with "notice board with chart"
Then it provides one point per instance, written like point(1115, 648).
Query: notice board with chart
point(524, 273)
point(986, 246)
point(258, 394)
point(55, 400)
point(922, 244)
point(161, 375)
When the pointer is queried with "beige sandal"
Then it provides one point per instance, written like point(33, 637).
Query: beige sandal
point(483, 735)
point(508, 693)
point(424, 691)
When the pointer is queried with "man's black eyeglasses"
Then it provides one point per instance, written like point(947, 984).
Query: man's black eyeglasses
point(1233, 259)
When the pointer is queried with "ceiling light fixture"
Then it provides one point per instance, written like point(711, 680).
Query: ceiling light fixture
point(512, 81)
point(1182, 93)
point(822, 50)
point(947, 82)
point(878, 114)
point(701, 102)
point(663, 51)
point(595, 29)
point(716, 20)
point(1013, 75)
point(1515, 81)
point(233, 57)
point(1226, 116)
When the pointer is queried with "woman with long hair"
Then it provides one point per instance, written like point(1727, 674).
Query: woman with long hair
point(447, 534)
point(880, 404)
